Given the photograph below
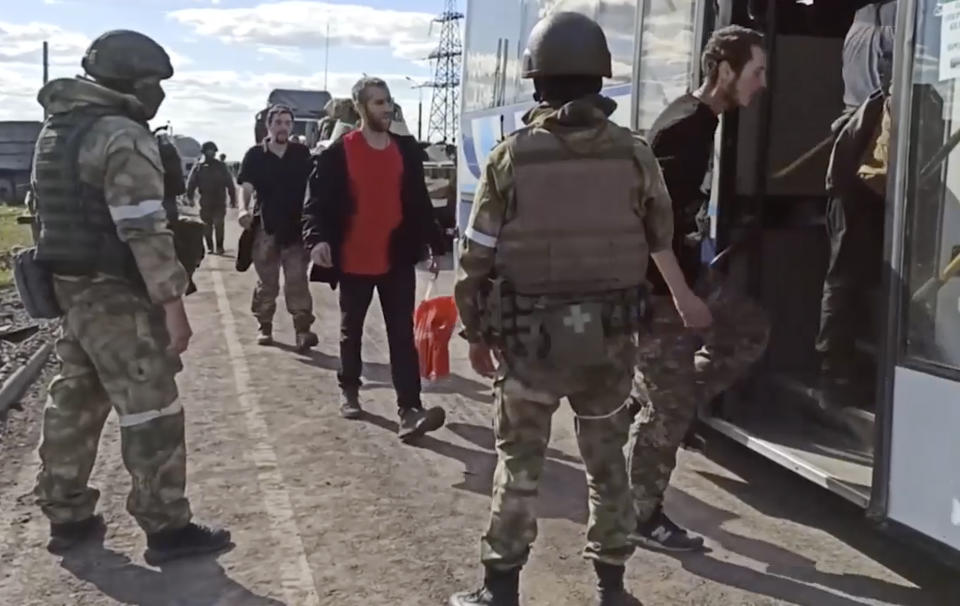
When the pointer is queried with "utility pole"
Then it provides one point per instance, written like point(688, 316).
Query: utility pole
point(419, 87)
point(326, 59)
point(46, 70)
point(446, 82)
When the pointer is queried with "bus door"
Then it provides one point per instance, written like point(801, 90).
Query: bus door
point(771, 203)
point(918, 485)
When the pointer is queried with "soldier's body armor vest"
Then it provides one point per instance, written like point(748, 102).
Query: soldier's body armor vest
point(77, 234)
point(574, 229)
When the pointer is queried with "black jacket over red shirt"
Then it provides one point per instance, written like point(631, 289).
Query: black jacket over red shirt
point(329, 208)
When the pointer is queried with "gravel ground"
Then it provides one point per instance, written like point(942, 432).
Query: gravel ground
point(14, 355)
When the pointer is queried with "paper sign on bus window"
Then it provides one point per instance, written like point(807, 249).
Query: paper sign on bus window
point(950, 42)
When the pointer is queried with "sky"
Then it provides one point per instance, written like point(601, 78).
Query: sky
point(227, 54)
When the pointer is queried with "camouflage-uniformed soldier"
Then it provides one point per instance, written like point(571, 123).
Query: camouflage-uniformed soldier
point(212, 178)
point(566, 215)
point(99, 191)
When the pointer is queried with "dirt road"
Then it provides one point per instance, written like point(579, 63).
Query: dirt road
point(326, 511)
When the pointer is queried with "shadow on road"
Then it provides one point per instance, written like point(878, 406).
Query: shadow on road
point(378, 375)
point(790, 576)
point(482, 436)
point(563, 488)
point(199, 581)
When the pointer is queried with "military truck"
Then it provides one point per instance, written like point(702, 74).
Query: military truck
point(308, 109)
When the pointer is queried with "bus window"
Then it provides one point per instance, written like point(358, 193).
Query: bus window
point(617, 18)
point(666, 58)
point(493, 51)
point(931, 262)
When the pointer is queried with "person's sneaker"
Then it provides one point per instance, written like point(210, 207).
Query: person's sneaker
point(500, 588)
point(220, 250)
point(306, 340)
point(414, 422)
point(662, 534)
point(350, 404)
point(65, 536)
point(191, 540)
point(265, 334)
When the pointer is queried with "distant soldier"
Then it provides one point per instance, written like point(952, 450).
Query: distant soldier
point(568, 211)
point(99, 190)
point(216, 184)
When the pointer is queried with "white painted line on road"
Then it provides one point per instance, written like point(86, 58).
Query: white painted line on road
point(294, 570)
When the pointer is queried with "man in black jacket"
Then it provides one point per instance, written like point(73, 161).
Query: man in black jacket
point(367, 222)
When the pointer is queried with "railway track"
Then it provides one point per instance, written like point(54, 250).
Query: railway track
point(25, 347)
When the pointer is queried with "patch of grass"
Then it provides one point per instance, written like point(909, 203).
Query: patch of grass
point(12, 235)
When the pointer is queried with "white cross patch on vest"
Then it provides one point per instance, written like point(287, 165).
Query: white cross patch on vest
point(577, 319)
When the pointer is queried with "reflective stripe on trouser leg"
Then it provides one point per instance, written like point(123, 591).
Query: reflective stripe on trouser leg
point(522, 432)
point(125, 337)
point(73, 419)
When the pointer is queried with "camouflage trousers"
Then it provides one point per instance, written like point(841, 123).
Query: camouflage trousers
point(525, 404)
point(113, 350)
point(676, 371)
point(268, 259)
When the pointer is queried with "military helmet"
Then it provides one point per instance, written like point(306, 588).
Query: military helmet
point(567, 44)
point(126, 55)
point(208, 145)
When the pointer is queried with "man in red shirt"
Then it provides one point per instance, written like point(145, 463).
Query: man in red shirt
point(367, 222)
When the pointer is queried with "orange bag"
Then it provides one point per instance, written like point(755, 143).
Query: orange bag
point(433, 323)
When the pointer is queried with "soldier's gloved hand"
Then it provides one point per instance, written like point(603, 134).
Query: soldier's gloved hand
point(321, 255)
point(693, 311)
point(178, 326)
point(481, 359)
point(245, 218)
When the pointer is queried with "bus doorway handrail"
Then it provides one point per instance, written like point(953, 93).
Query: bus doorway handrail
point(938, 158)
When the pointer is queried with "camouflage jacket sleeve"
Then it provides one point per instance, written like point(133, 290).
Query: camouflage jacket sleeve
point(133, 186)
point(479, 243)
point(654, 204)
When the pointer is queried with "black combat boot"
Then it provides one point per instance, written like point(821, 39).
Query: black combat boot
point(500, 588)
point(65, 536)
point(191, 540)
point(610, 591)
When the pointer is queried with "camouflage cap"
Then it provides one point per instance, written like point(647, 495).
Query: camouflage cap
point(567, 44)
point(126, 55)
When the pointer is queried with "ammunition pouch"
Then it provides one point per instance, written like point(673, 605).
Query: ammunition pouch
point(560, 330)
point(35, 285)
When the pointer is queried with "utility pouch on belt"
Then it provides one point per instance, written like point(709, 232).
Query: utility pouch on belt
point(35, 285)
point(562, 331)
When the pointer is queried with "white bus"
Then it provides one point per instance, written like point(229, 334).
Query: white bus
point(891, 453)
